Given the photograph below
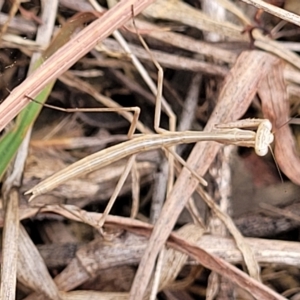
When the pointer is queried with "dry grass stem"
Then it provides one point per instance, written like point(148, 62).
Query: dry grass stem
point(118, 211)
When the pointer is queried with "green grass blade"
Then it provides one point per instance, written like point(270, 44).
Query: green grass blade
point(11, 141)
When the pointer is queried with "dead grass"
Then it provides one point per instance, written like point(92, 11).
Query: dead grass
point(241, 241)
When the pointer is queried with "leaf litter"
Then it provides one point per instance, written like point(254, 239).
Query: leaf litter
point(246, 225)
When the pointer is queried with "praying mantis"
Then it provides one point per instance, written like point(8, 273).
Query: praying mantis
point(231, 133)
point(226, 133)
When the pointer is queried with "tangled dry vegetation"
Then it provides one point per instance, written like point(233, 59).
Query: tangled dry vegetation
point(160, 234)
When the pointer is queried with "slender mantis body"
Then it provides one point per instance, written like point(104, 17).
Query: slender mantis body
point(260, 140)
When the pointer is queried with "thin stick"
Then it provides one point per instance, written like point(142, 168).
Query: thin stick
point(157, 274)
point(276, 11)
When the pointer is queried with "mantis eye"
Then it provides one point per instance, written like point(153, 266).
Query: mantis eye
point(264, 137)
